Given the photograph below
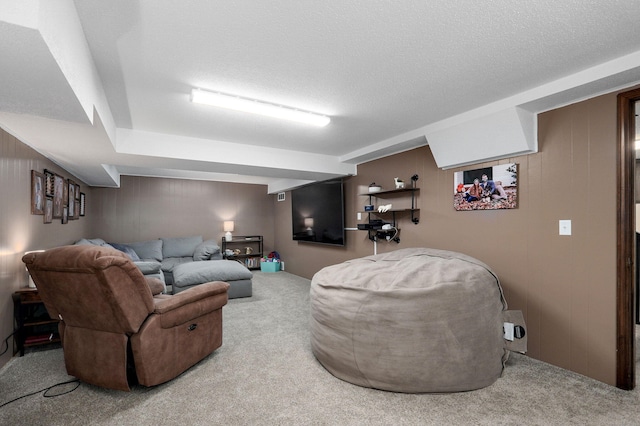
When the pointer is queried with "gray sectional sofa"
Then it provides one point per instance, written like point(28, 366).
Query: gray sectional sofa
point(184, 262)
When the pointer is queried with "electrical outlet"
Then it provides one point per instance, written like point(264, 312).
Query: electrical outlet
point(359, 216)
point(565, 227)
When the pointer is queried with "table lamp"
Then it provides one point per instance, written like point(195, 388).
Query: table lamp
point(228, 229)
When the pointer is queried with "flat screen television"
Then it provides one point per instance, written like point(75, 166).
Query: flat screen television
point(317, 212)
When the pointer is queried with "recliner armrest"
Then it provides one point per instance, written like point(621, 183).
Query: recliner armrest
point(191, 303)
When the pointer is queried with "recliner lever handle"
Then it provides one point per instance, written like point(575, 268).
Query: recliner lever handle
point(192, 327)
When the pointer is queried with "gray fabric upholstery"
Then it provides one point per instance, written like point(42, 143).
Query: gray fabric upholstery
point(159, 258)
point(148, 266)
point(239, 277)
point(92, 242)
point(413, 320)
point(207, 250)
point(180, 247)
point(151, 249)
point(128, 250)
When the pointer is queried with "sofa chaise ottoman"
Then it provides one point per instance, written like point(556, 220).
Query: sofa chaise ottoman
point(186, 275)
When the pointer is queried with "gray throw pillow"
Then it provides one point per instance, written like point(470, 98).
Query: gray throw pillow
point(180, 247)
point(205, 250)
point(127, 250)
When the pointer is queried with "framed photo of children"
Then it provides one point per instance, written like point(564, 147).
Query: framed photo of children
point(489, 188)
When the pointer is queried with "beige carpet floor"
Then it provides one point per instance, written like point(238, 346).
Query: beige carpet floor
point(265, 374)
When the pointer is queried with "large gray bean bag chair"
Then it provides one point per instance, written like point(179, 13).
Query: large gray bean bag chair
point(413, 320)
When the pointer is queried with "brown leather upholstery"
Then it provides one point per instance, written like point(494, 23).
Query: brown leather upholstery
point(109, 315)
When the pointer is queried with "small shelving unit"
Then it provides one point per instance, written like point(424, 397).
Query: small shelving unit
point(241, 243)
point(33, 326)
point(376, 231)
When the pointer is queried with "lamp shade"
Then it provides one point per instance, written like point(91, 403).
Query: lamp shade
point(308, 222)
point(31, 283)
point(228, 229)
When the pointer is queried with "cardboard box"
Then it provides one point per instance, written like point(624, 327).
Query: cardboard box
point(269, 266)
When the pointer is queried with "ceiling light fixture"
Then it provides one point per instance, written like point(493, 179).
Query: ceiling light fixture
point(254, 106)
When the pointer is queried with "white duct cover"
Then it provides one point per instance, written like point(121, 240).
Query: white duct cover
point(506, 133)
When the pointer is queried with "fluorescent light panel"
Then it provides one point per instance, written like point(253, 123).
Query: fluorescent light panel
point(253, 106)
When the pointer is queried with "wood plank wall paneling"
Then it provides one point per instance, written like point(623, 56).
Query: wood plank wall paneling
point(146, 208)
point(19, 229)
point(565, 285)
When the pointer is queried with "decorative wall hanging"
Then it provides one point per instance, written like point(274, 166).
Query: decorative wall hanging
point(48, 183)
point(71, 203)
point(37, 193)
point(48, 210)
point(83, 201)
point(53, 196)
point(489, 188)
point(58, 196)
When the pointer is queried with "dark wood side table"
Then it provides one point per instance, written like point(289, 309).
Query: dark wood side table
point(33, 325)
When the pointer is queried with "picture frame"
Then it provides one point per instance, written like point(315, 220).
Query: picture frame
point(49, 181)
point(71, 199)
point(58, 196)
point(83, 200)
point(48, 210)
point(65, 215)
point(77, 192)
point(37, 193)
point(488, 188)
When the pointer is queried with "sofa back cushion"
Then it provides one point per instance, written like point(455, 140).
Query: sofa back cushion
point(180, 247)
point(148, 249)
point(207, 250)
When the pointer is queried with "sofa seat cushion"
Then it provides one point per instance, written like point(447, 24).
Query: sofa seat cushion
point(187, 274)
point(148, 266)
point(168, 264)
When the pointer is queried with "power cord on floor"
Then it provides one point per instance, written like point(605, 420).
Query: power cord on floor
point(46, 390)
point(6, 343)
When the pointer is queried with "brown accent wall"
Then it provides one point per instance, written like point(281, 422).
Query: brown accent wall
point(565, 285)
point(20, 230)
point(145, 208)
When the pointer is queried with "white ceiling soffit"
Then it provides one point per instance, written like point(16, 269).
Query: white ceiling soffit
point(102, 88)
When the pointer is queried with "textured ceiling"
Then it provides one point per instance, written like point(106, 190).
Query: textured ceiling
point(380, 69)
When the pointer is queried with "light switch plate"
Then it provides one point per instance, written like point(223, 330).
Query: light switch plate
point(565, 227)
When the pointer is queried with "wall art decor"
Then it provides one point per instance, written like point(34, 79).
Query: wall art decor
point(58, 196)
point(489, 188)
point(83, 201)
point(37, 192)
point(65, 215)
point(48, 210)
point(48, 183)
point(71, 201)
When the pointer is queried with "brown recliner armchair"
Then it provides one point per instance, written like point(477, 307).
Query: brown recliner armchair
point(113, 329)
